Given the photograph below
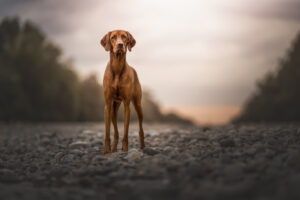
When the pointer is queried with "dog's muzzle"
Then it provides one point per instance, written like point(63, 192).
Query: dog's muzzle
point(120, 46)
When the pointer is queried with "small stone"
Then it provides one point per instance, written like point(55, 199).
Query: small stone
point(269, 153)
point(32, 169)
point(58, 156)
point(78, 145)
point(193, 141)
point(110, 161)
point(88, 132)
point(98, 159)
point(41, 149)
point(115, 155)
point(167, 149)
point(216, 138)
point(206, 128)
point(228, 142)
point(232, 132)
point(251, 151)
point(150, 151)
point(80, 172)
point(68, 158)
point(45, 141)
point(153, 133)
point(97, 143)
point(49, 134)
point(133, 154)
point(77, 152)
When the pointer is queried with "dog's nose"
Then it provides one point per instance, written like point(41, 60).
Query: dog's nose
point(120, 45)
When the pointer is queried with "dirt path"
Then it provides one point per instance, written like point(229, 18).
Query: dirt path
point(64, 161)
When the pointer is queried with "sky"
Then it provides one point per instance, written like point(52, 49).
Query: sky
point(200, 59)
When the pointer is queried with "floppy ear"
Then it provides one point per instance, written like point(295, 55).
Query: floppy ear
point(131, 41)
point(105, 42)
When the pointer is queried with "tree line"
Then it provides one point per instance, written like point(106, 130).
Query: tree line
point(277, 95)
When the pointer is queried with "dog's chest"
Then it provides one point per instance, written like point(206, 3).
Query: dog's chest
point(119, 86)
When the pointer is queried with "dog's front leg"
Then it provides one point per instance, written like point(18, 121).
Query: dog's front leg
point(107, 148)
point(126, 125)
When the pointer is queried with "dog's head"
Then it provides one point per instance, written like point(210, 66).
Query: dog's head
point(118, 41)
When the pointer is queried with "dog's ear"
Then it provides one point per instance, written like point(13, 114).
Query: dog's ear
point(105, 42)
point(131, 41)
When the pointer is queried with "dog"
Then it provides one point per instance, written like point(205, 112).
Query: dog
point(120, 84)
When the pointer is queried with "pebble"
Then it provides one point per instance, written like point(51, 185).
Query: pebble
point(97, 159)
point(59, 156)
point(97, 142)
point(227, 142)
point(78, 145)
point(133, 154)
point(150, 151)
point(45, 141)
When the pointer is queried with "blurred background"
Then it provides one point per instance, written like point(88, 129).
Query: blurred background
point(202, 62)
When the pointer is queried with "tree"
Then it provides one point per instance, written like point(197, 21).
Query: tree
point(35, 84)
point(277, 96)
point(91, 100)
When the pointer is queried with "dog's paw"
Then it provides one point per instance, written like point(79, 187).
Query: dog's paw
point(106, 150)
point(125, 148)
point(125, 145)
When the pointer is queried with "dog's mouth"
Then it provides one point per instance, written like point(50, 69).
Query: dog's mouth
point(120, 52)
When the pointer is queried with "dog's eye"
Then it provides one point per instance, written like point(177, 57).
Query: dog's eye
point(113, 37)
point(123, 37)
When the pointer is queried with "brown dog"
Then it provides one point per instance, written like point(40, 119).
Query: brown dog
point(120, 84)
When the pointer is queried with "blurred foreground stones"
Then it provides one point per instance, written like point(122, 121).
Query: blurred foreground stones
point(64, 161)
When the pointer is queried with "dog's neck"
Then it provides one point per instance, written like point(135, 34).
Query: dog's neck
point(117, 63)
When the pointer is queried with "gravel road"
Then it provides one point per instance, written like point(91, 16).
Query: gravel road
point(64, 161)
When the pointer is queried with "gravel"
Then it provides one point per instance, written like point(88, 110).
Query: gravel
point(65, 161)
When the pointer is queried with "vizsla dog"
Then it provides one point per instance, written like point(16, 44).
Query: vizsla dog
point(120, 84)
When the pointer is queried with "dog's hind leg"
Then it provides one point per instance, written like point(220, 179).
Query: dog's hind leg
point(114, 118)
point(138, 107)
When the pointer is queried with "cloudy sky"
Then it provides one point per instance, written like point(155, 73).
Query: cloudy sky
point(200, 58)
